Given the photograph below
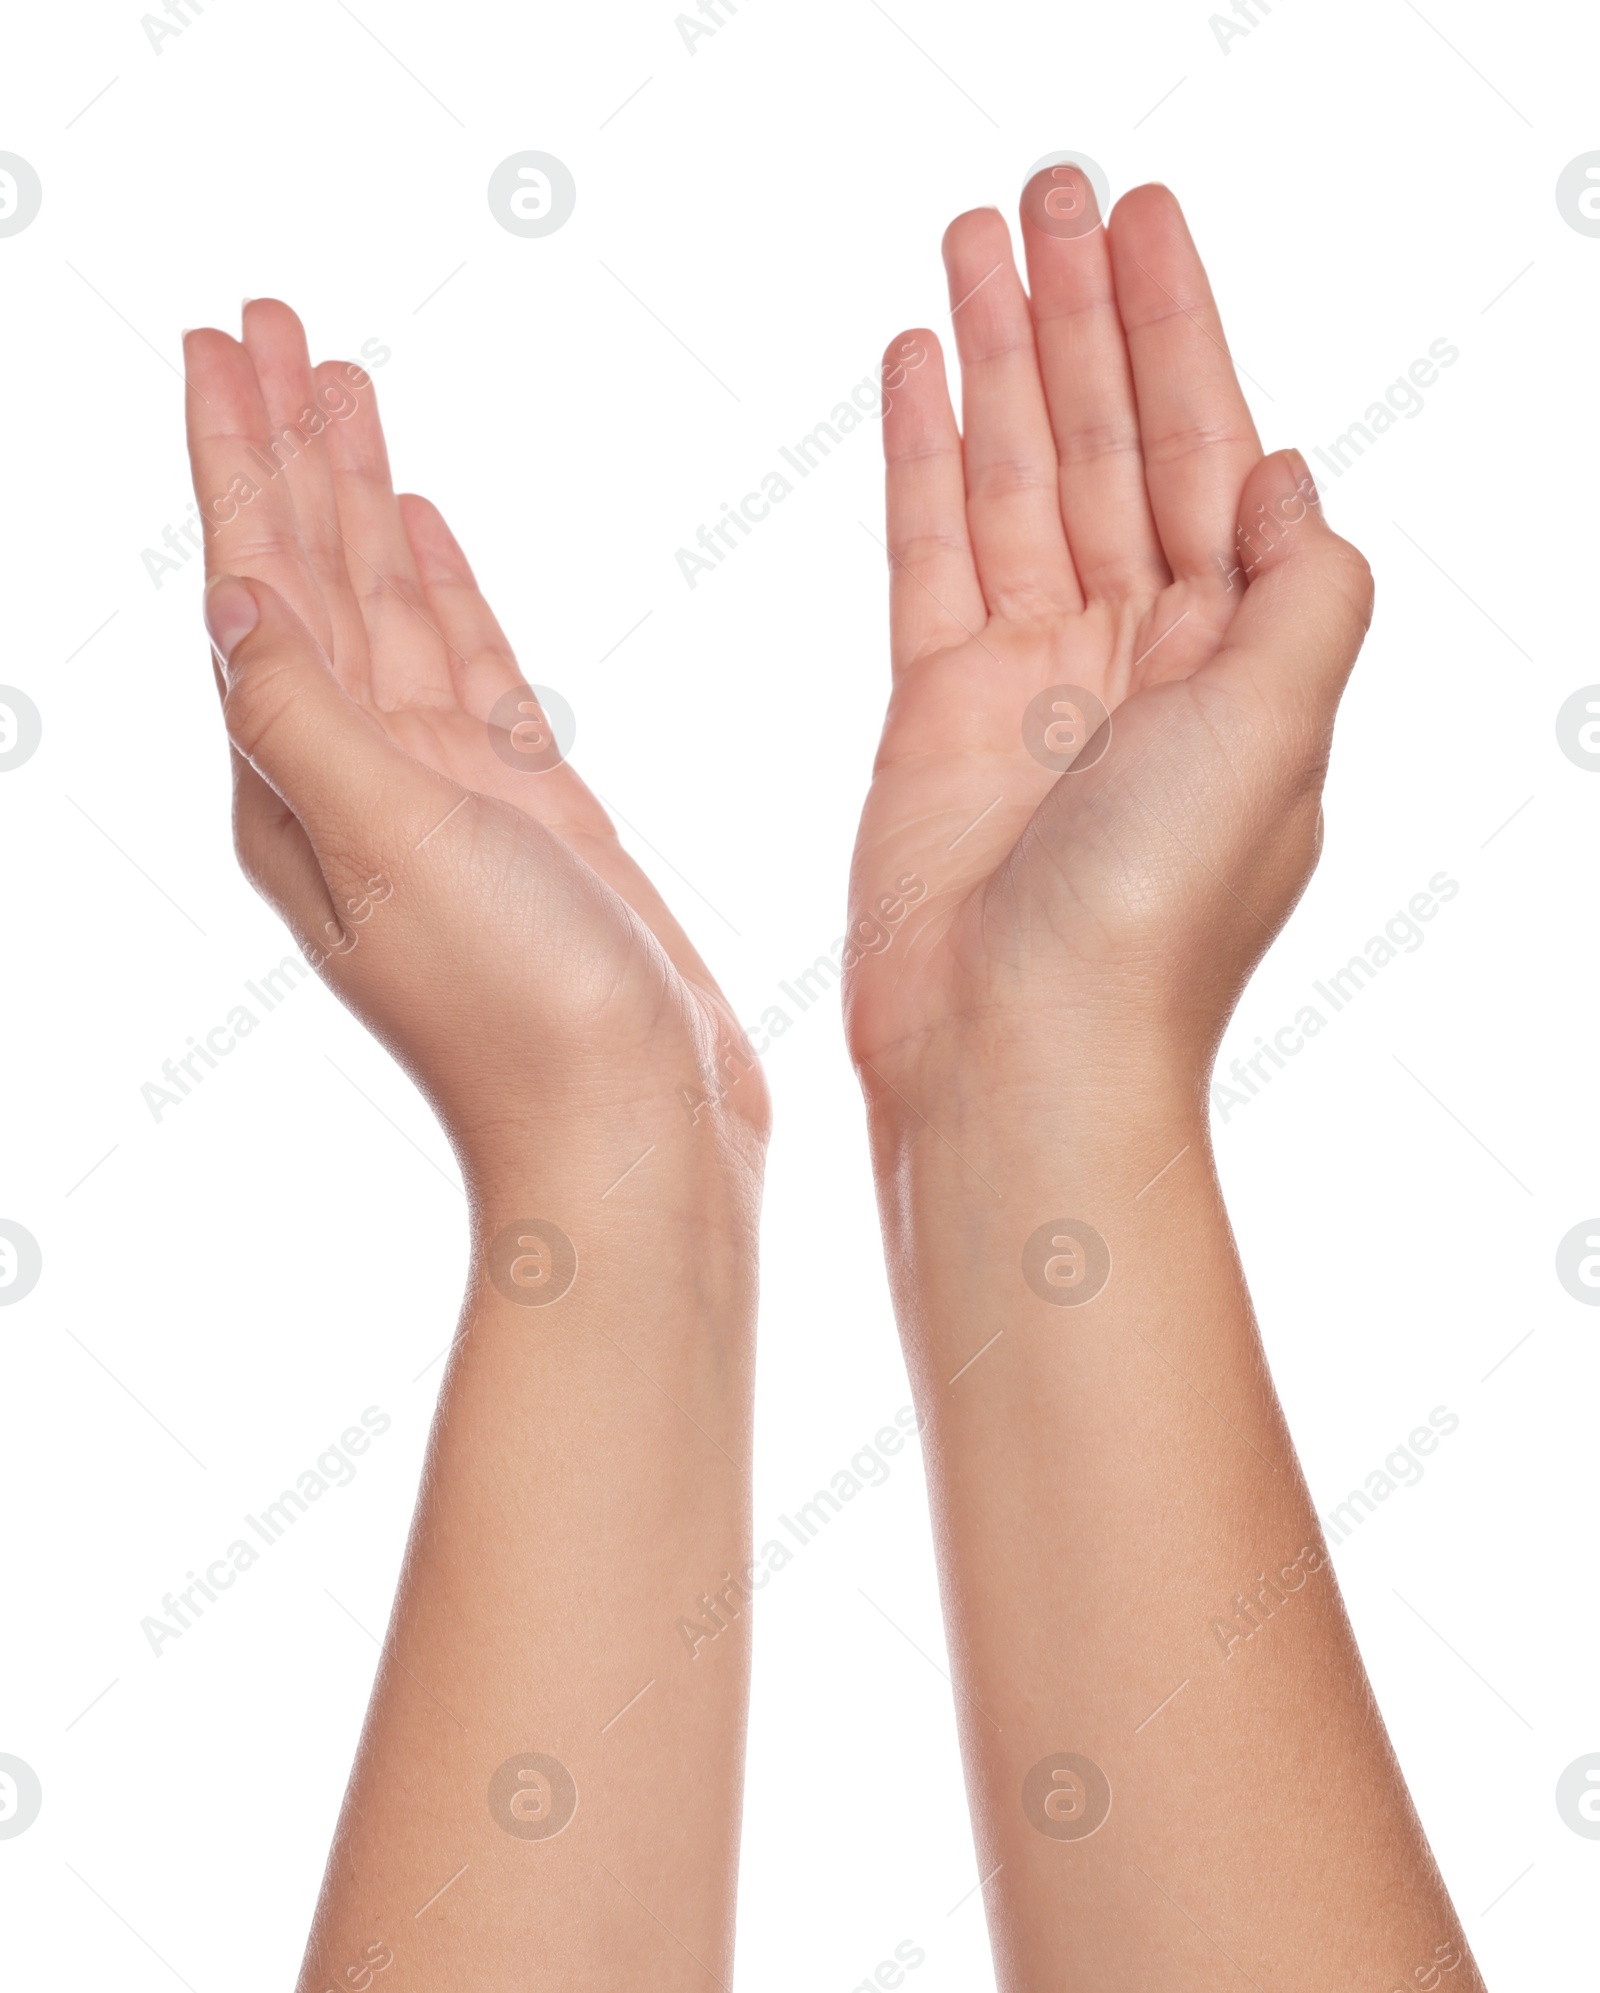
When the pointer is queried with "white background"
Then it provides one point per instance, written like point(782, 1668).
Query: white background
point(233, 1285)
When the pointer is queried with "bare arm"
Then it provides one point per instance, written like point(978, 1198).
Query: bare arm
point(548, 1787)
point(1177, 1774)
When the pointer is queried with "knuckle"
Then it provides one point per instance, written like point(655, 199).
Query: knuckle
point(1091, 443)
point(1013, 477)
point(252, 848)
point(256, 703)
point(1352, 573)
point(925, 551)
point(1192, 438)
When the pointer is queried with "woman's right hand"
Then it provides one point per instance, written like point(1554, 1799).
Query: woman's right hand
point(397, 797)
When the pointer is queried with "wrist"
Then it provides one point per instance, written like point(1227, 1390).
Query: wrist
point(1019, 1170)
point(1038, 1087)
point(597, 1136)
point(652, 1204)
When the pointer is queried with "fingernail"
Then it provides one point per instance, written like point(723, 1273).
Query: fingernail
point(1302, 473)
point(231, 614)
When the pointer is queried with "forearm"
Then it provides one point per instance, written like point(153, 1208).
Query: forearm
point(587, 1483)
point(1132, 1568)
point(547, 1789)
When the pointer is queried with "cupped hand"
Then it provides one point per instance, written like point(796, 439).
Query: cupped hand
point(399, 795)
point(1105, 524)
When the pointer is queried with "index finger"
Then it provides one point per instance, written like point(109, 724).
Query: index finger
point(246, 508)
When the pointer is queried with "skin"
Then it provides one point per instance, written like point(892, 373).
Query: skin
point(1131, 1567)
point(1133, 1574)
point(587, 1480)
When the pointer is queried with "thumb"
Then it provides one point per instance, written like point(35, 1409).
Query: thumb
point(288, 715)
point(1308, 593)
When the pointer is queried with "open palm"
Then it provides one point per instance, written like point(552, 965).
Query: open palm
point(1106, 524)
point(543, 927)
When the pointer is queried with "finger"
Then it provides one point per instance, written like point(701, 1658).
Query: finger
point(486, 672)
point(410, 659)
point(358, 796)
point(245, 503)
point(1012, 477)
point(1308, 594)
point(1199, 441)
point(480, 656)
point(934, 597)
point(1088, 387)
point(273, 850)
point(298, 414)
point(275, 855)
